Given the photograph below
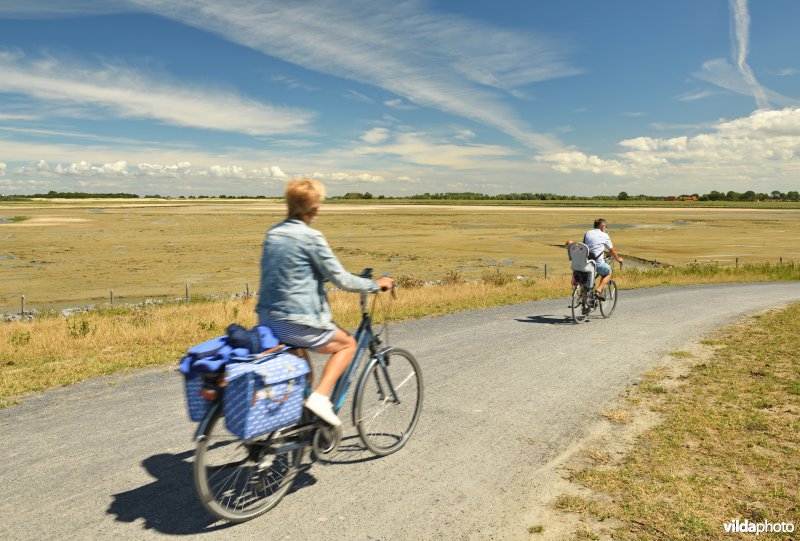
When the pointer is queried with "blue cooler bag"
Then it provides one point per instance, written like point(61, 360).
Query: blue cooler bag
point(265, 395)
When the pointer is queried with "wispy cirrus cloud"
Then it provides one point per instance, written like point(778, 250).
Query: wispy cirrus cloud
point(741, 22)
point(124, 92)
point(431, 59)
point(739, 77)
point(695, 95)
point(722, 74)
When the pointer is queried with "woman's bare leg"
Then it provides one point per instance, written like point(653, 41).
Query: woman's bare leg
point(342, 347)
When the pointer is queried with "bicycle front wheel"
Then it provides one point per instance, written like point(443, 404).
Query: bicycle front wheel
point(239, 480)
point(580, 311)
point(610, 293)
point(388, 401)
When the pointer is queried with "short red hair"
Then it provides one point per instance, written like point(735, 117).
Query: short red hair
point(303, 195)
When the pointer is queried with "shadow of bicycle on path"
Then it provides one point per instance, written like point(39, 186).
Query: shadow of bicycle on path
point(351, 451)
point(548, 320)
point(169, 504)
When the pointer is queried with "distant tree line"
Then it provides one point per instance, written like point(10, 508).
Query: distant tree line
point(714, 195)
point(74, 195)
point(750, 195)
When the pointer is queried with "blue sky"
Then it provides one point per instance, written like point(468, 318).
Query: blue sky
point(573, 97)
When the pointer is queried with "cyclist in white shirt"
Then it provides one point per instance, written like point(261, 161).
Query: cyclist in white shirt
point(597, 240)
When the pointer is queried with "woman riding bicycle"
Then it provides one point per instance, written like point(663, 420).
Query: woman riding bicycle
point(295, 263)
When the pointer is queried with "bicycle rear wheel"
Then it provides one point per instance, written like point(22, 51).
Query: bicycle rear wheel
point(580, 312)
point(610, 293)
point(239, 480)
point(386, 424)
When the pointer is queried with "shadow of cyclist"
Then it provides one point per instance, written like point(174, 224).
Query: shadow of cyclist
point(548, 320)
point(169, 504)
point(351, 451)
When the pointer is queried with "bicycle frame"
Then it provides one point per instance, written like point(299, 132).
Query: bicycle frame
point(365, 339)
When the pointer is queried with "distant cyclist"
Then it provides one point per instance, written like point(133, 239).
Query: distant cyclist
point(597, 240)
point(295, 263)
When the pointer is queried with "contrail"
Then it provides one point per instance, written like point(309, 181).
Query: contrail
point(741, 21)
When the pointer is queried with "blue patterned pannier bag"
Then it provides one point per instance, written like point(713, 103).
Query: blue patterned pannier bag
point(209, 359)
point(265, 395)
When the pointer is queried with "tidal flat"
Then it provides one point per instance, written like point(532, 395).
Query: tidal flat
point(65, 253)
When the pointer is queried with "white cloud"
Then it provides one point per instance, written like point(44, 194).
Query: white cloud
point(465, 135)
point(348, 177)
point(763, 146)
point(420, 149)
point(293, 83)
point(131, 94)
point(646, 144)
point(357, 96)
point(12, 116)
point(3, 167)
point(429, 58)
point(121, 168)
point(375, 136)
point(575, 161)
point(399, 104)
point(57, 8)
point(695, 95)
point(742, 38)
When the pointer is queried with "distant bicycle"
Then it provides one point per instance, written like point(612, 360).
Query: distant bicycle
point(238, 480)
point(585, 299)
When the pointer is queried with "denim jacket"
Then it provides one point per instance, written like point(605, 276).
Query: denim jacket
point(295, 263)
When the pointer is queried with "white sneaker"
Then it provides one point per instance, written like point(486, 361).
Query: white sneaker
point(321, 405)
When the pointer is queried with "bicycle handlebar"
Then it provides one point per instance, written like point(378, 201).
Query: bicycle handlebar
point(367, 273)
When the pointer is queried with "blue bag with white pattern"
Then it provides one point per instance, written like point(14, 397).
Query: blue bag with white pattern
point(265, 395)
point(209, 358)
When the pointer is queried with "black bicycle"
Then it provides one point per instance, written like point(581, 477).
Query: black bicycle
point(585, 299)
point(238, 480)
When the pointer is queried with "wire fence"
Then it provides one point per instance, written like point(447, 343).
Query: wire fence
point(545, 271)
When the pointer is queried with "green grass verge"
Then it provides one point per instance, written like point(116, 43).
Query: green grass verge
point(728, 449)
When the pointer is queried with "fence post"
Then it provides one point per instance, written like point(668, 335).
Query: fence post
point(247, 291)
point(22, 305)
point(737, 262)
point(545, 271)
point(112, 297)
point(781, 260)
point(187, 293)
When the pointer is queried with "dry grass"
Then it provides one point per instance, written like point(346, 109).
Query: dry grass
point(729, 447)
point(618, 416)
point(53, 351)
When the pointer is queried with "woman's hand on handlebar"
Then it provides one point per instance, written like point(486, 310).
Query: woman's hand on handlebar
point(385, 283)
